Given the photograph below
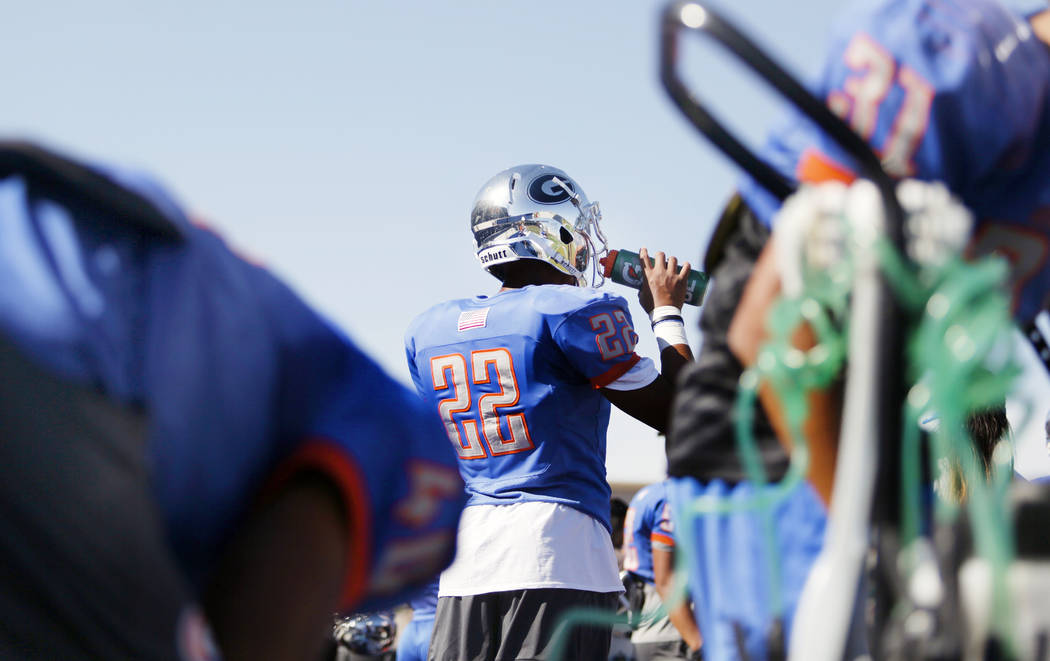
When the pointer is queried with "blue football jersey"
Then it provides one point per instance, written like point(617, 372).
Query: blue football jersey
point(424, 604)
point(514, 377)
point(243, 383)
point(648, 522)
point(952, 90)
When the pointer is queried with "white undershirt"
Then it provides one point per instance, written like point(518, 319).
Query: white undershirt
point(640, 375)
point(530, 545)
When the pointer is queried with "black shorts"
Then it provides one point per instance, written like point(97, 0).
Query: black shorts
point(518, 625)
point(702, 440)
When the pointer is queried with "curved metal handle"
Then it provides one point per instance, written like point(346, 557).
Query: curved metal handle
point(695, 111)
point(697, 16)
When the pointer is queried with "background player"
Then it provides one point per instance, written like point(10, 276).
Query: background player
point(522, 381)
point(649, 558)
point(952, 91)
point(617, 515)
point(364, 637)
point(181, 433)
point(415, 637)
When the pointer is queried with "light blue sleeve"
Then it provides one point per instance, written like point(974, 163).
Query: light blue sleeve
point(598, 340)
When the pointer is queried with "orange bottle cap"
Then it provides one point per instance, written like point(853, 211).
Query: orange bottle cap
point(607, 262)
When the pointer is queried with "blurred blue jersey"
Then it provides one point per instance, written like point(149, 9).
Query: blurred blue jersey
point(424, 604)
point(648, 522)
point(515, 378)
point(414, 641)
point(953, 90)
point(243, 383)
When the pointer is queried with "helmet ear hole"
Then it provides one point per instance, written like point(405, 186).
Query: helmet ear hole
point(566, 236)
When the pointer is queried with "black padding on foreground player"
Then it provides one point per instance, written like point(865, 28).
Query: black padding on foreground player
point(84, 568)
point(73, 184)
point(702, 442)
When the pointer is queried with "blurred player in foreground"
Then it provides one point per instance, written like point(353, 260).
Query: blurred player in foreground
point(523, 380)
point(957, 91)
point(649, 559)
point(188, 449)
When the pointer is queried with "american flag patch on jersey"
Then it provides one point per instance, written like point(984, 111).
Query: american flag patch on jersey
point(472, 319)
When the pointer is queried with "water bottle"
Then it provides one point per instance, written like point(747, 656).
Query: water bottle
point(625, 267)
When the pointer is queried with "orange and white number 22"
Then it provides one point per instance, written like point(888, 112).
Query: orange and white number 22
point(452, 371)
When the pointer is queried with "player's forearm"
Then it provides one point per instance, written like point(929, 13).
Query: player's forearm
point(673, 359)
point(747, 335)
point(669, 329)
point(680, 613)
point(650, 405)
point(820, 430)
point(681, 617)
point(293, 586)
point(662, 297)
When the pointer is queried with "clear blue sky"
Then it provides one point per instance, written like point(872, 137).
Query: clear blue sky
point(342, 142)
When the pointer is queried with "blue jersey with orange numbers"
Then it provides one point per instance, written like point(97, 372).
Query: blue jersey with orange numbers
point(648, 522)
point(515, 378)
point(243, 383)
point(949, 90)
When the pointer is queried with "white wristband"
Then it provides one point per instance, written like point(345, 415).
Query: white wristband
point(663, 312)
point(668, 331)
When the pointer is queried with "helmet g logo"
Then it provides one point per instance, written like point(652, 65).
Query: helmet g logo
point(545, 190)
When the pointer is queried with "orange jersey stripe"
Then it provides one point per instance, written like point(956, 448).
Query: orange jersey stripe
point(661, 538)
point(616, 372)
point(814, 167)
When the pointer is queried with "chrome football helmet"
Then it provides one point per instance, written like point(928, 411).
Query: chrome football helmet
point(538, 212)
point(365, 636)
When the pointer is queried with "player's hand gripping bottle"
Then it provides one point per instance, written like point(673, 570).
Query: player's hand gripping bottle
point(625, 267)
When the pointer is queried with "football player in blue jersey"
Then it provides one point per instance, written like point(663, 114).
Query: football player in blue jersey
point(649, 558)
point(188, 448)
point(415, 637)
point(950, 90)
point(523, 381)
